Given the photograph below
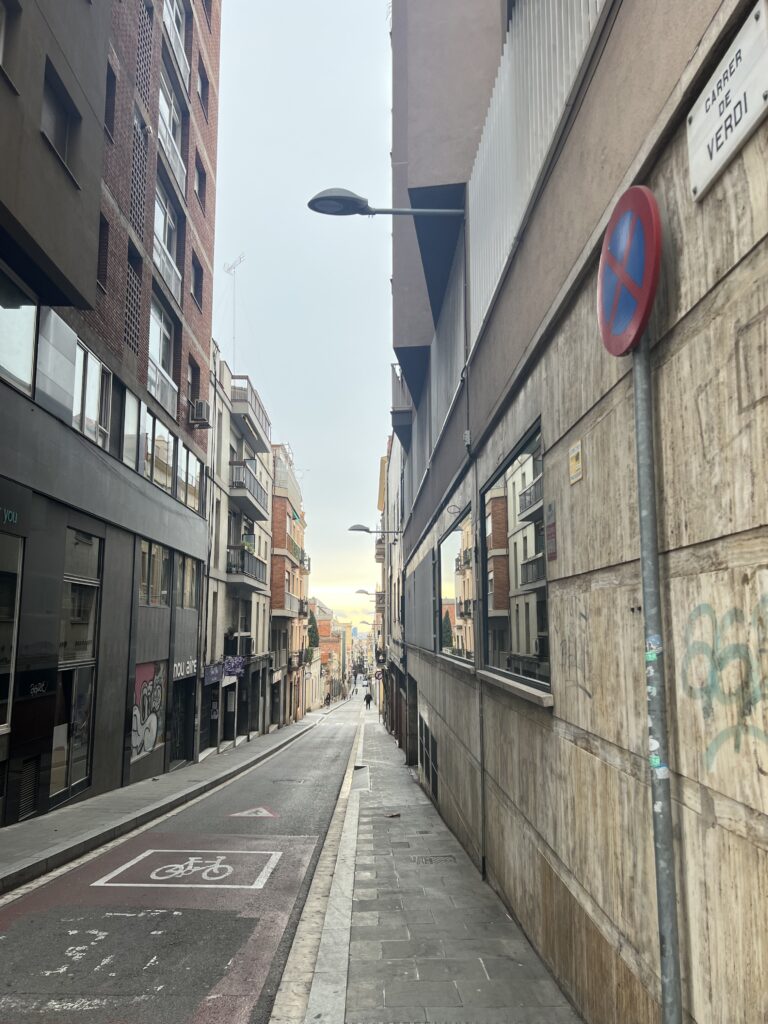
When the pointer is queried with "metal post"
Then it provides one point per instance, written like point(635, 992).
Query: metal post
point(663, 843)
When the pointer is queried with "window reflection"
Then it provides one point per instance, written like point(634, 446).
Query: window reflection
point(517, 622)
point(18, 318)
point(457, 592)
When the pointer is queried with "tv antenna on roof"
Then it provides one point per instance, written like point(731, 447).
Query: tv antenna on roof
point(231, 268)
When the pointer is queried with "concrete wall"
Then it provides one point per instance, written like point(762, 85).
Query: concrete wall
point(562, 811)
point(55, 255)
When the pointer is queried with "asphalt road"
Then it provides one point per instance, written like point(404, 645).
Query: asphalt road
point(189, 922)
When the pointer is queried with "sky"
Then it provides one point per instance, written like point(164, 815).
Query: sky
point(304, 105)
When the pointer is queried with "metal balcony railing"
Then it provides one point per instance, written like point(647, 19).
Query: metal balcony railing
point(169, 272)
point(241, 562)
point(533, 570)
point(295, 549)
point(303, 607)
point(241, 475)
point(173, 154)
point(531, 494)
point(380, 549)
point(291, 603)
point(380, 601)
point(244, 391)
point(176, 44)
point(162, 387)
point(401, 396)
point(306, 561)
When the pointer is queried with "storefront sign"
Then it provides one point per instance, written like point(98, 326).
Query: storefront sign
point(15, 508)
point(731, 105)
point(213, 673)
point(182, 669)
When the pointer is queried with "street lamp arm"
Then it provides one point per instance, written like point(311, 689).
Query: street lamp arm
point(415, 212)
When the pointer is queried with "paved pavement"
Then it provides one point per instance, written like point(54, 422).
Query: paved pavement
point(190, 919)
point(37, 846)
point(411, 928)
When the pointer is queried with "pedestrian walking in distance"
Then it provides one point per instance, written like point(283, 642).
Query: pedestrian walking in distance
point(368, 699)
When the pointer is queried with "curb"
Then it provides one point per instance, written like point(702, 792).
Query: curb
point(90, 841)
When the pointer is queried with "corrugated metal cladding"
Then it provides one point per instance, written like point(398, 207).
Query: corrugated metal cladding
point(446, 356)
point(546, 46)
point(419, 609)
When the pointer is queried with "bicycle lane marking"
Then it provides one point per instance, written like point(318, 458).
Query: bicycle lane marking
point(244, 864)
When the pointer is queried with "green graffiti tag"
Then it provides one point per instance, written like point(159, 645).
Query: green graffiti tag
point(734, 644)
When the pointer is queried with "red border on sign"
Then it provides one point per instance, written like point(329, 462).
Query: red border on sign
point(642, 202)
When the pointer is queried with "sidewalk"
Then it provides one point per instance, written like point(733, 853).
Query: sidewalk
point(426, 939)
point(38, 845)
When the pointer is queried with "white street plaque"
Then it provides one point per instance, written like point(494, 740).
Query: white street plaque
point(732, 104)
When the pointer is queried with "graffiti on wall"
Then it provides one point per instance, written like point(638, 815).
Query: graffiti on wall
point(725, 664)
point(149, 698)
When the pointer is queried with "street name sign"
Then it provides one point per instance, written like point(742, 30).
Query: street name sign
point(731, 105)
point(629, 270)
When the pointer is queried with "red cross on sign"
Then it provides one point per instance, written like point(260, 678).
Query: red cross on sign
point(629, 270)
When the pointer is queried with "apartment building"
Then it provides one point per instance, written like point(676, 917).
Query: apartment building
point(106, 214)
point(236, 692)
point(330, 648)
point(289, 589)
point(511, 479)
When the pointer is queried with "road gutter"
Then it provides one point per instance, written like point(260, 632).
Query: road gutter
point(314, 983)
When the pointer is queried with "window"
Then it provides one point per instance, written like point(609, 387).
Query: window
point(193, 381)
point(457, 590)
point(161, 338)
point(92, 398)
point(10, 579)
point(166, 224)
point(200, 180)
point(155, 574)
point(170, 109)
point(194, 483)
point(202, 87)
point(197, 281)
point(58, 115)
point(181, 473)
point(517, 621)
point(187, 595)
point(131, 430)
point(3, 19)
point(102, 264)
point(18, 327)
point(163, 468)
point(110, 100)
point(72, 727)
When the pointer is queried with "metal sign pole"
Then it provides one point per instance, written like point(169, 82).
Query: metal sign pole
point(666, 889)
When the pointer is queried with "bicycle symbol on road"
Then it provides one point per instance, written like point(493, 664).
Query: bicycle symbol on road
point(211, 870)
point(195, 869)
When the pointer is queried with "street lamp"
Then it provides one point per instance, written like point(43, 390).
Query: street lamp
point(359, 528)
point(340, 202)
point(370, 593)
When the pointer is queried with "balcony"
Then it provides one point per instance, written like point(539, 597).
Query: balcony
point(380, 550)
point(306, 562)
point(402, 407)
point(379, 601)
point(530, 502)
point(303, 608)
point(533, 570)
point(464, 608)
point(289, 609)
point(294, 550)
point(464, 560)
point(245, 568)
point(162, 387)
point(172, 154)
point(250, 415)
point(176, 44)
point(246, 491)
point(166, 265)
point(239, 645)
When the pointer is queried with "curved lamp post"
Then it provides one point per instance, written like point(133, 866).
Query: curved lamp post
point(340, 202)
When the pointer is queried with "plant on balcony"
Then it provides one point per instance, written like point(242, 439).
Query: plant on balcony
point(309, 655)
point(234, 665)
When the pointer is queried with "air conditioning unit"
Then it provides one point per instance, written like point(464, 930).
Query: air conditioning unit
point(200, 413)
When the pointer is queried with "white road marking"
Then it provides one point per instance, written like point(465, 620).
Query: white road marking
point(105, 962)
point(255, 812)
point(273, 855)
point(150, 963)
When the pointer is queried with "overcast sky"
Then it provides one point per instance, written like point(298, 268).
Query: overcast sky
point(304, 105)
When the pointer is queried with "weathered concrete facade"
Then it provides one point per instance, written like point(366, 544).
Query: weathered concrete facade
point(547, 785)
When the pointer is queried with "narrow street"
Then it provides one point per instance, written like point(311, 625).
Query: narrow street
point(191, 921)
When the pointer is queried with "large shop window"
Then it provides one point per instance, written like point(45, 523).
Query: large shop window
point(187, 592)
point(10, 579)
point(457, 591)
point(516, 619)
point(73, 717)
point(18, 323)
point(155, 574)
